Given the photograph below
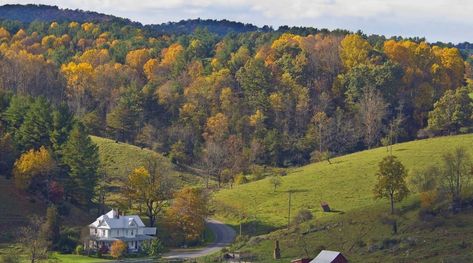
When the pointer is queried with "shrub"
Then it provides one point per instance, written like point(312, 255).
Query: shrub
point(241, 179)
point(275, 182)
point(79, 250)
point(118, 249)
point(427, 199)
point(68, 240)
point(9, 258)
point(153, 248)
point(302, 216)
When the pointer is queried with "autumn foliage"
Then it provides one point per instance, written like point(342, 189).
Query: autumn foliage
point(118, 249)
point(195, 95)
point(187, 214)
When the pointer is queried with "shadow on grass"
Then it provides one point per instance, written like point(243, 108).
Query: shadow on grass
point(335, 211)
point(253, 228)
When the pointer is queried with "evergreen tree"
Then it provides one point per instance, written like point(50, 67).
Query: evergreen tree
point(124, 119)
point(15, 113)
point(62, 121)
point(80, 156)
point(36, 127)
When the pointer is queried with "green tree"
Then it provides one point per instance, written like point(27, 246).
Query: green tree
point(51, 226)
point(154, 248)
point(452, 111)
point(255, 80)
point(14, 115)
point(391, 180)
point(36, 127)
point(275, 182)
point(81, 159)
point(457, 172)
point(124, 119)
point(62, 121)
point(8, 154)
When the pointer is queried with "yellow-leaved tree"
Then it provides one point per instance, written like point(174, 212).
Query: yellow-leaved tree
point(33, 168)
point(354, 51)
point(148, 187)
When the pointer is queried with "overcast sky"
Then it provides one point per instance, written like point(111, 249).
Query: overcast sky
point(437, 20)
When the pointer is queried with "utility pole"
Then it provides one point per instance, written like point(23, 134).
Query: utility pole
point(289, 210)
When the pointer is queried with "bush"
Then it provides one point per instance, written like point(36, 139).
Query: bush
point(302, 216)
point(241, 179)
point(79, 250)
point(9, 258)
point(153, 248)
point(102, 250)
point(68, 240)
point(118, 249)
point(317, 156)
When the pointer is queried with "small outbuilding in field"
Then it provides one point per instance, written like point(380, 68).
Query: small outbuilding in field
point(327, 256)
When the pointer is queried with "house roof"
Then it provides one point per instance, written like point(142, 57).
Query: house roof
point(112, 220)
point(326, 256)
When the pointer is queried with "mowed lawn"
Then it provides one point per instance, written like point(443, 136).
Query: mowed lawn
point(70, 258)
point(346, 184)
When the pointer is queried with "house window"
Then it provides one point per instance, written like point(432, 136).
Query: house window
point(132, 232)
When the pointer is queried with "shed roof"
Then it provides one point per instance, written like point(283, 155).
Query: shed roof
point(326, 256)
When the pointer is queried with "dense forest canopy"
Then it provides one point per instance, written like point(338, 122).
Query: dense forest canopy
point(226, 101)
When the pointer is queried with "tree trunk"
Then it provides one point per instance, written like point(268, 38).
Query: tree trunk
point(392, 204)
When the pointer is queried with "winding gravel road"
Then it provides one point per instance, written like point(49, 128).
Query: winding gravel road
point(224, 236)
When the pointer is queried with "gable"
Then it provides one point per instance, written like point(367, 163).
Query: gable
point(103, 224)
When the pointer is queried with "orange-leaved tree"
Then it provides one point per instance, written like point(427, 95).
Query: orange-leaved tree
point(187, 214)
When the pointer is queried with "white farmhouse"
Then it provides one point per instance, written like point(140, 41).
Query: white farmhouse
point(111, 227)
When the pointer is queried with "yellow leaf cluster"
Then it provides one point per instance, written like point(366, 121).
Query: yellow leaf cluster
point(257, 118)
point(216, 127)
point(354, 51)
point(31, 165)
point(171, 53)
point(137, 58)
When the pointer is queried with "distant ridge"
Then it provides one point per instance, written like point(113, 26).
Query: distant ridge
point(29, 13)
point(46, 13)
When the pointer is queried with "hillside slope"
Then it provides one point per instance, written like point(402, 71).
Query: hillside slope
point(119, 159)
point(359, 227)
point(346, 184)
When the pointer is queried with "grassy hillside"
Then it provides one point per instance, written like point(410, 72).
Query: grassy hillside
point(357, 229)
point(119, 159)
point(346, 184)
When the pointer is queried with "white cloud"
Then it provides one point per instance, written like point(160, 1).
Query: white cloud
point(439, 19)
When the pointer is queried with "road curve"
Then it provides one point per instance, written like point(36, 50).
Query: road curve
point(224, 236)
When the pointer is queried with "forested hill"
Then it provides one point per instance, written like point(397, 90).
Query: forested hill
point(46, 13)
point(283, 97)
point(220, 27)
